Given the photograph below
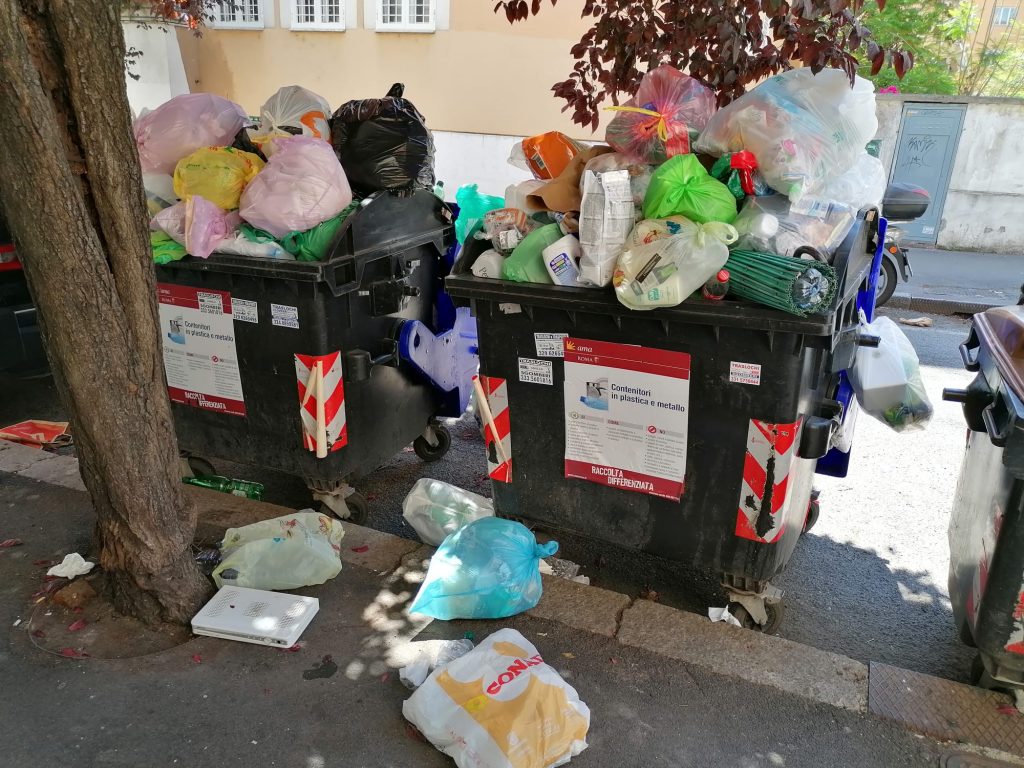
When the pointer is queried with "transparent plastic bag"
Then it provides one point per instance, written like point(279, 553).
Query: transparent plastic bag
point(887, 378)
point(303, 185)
point(288, 552)
point(197, 224)
point(436, 509)
point(159, 191)
point(489, 569)
point(506, 228)
point(294, 110)
point(683, 187)
point(665, 271)
point(668, 112)
point(861, 186)
point(771, 224)
point(803, 128)
point(500, 706)
point(179, 127)
point(219, 174)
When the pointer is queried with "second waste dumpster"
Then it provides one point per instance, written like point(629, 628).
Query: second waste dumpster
point(691, 432)
point(320, 369)
point(986, 529)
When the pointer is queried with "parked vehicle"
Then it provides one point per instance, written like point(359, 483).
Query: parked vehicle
point(909, 202)
point(21, 349)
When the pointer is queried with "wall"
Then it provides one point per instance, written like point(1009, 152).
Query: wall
point(161, 68)
point(985, 198)
point(480, 76)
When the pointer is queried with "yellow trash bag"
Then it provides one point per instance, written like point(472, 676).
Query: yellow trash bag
point(218, 174)
point(289, 552)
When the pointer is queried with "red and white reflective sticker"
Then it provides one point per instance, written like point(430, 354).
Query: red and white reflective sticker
point(333, 396)
point(770, 450)
point(497, 400)
point(1015, 642)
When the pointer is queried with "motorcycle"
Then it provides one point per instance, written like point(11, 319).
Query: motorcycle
point(903, 203)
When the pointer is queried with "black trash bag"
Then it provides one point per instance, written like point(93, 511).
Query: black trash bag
point(383, 144)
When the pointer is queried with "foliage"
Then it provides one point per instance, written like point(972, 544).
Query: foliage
point(917, 26)
point(987, 62)
point(726, 44)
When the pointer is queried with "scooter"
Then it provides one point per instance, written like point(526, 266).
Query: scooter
point(903, 203)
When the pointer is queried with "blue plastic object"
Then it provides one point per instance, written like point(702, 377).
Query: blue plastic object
point(487, 570)
point(448, 360)
point(836, 463)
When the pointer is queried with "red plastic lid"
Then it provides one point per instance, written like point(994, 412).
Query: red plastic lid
point(723, 275)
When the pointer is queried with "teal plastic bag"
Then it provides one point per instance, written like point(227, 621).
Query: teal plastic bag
point(472, 207)
point(526, 263)
point(487, 570)
point(681, 187)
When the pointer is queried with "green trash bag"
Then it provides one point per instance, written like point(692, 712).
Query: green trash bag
point(472, 208)
point(526, 264)
point(310, 245)
point(166, 250)
point(681, 187)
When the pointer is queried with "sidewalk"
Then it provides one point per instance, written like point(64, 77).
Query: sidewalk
point(665, 687)
point(948, 282)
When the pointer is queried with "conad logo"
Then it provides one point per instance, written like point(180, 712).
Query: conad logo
point(514, 670)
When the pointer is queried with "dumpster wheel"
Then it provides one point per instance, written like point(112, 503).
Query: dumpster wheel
point(775, 613)
point(443, 441)
point(358, 509)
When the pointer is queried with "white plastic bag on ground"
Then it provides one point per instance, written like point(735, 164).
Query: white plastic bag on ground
point(803, 128)
point(424, 656)
point(302, 185)
point(287, 552)
point(887, 378)
point(435, 509)
point(501, 706)
point(179, 127)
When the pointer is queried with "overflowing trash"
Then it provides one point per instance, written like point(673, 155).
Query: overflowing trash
point(288, 552)
point(488, 569)
point(435, 509)
point(279, 187)
point(887, 378)
point(499, 706)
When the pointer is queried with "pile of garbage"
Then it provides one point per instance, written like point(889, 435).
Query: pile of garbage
point(279, 187)
point(752, 200)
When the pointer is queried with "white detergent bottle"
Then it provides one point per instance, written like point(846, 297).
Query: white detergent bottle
point(488, 264)
point(561, 260)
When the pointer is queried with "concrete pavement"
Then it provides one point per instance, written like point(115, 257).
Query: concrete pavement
point(337, 701)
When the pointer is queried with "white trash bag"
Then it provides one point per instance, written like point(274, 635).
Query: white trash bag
point(887, 378)
point(294, 110)
point(435, 509)
point(500, 706)
point(288, 552)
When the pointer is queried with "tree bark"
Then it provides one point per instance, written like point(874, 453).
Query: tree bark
point(71, 188)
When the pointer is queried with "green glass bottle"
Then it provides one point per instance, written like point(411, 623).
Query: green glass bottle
point(244, 488)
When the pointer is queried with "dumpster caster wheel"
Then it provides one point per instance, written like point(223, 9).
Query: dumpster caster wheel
point(813, 510)
point(429, 452)
point(774, 611)
point(357, 505)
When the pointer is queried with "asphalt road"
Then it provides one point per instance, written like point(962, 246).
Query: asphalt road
point(869, 581)
point(975, 277)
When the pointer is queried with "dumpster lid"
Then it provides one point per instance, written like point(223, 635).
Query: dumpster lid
point(1001, 330)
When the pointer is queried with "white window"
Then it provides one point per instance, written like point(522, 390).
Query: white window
point(1004, 15)
point(406, 16)
point(326, 15)
point(238, 14)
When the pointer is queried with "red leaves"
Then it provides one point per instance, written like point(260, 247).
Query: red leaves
point(197, 658)
point(8, 543)
point(360, 549)
point(73, 653)
point(902, 62)
point(77, 626)
point(881, 4)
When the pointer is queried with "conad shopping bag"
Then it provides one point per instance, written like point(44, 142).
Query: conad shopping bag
point(500, 706)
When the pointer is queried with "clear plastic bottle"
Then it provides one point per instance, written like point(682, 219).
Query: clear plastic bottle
point(809, 289)
point(439, 189)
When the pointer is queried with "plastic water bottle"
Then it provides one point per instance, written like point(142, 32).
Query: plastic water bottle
point(439, 189)
point(245, 488)
point(809, 289)
point(717, 286)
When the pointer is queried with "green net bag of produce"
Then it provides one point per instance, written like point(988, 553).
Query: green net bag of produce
point(681, 187)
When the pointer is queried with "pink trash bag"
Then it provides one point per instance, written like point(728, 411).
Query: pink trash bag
point(197, 224)
point(302, 185)
point(179, 127)
point(664, 118)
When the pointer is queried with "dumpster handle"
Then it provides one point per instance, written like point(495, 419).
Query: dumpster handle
point(970, 361)
point(997, 436)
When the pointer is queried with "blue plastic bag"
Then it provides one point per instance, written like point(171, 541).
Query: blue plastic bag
point(489, 569)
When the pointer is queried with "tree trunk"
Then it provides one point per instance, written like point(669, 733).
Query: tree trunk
point(71, 188)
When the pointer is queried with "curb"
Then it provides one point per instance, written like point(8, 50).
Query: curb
point(819, 676)
point(938, 306)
